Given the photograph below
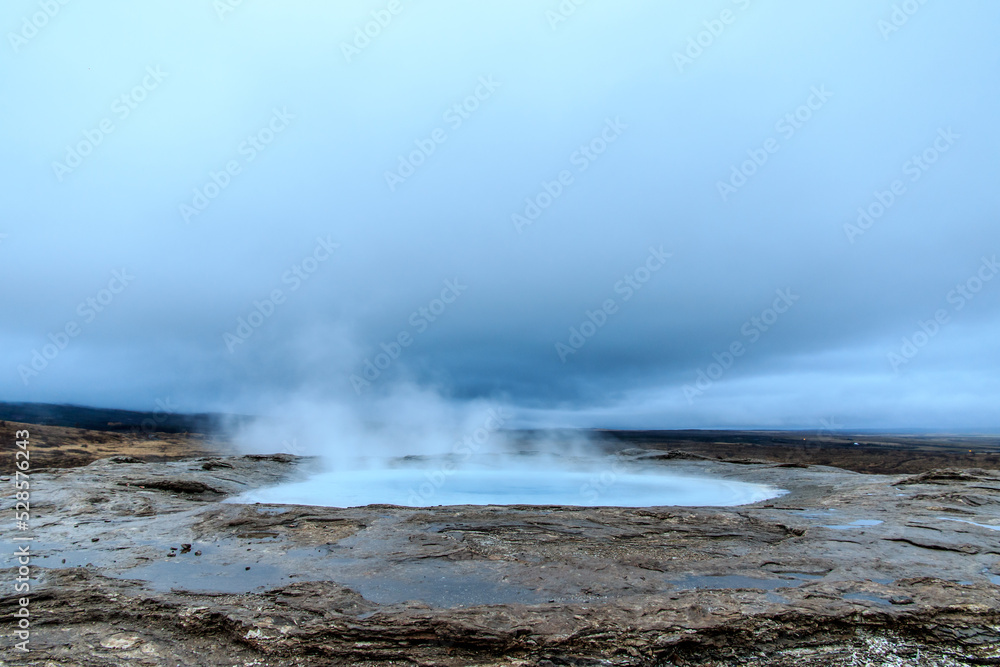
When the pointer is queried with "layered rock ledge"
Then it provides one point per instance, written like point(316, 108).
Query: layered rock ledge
point(140, 563)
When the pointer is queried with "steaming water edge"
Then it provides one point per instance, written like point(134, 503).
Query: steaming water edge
point(543, 484)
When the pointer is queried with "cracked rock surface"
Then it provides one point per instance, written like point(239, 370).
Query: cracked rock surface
point(142, 564)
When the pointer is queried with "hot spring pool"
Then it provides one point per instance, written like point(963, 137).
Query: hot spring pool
point(425, 488)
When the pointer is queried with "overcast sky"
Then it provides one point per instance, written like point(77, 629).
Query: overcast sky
point(633, 214)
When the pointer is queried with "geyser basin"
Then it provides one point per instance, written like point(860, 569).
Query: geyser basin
point(518, 486)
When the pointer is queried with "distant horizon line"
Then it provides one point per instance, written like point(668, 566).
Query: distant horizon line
point(817, 431)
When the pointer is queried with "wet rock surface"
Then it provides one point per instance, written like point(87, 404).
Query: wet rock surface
point(140, 563)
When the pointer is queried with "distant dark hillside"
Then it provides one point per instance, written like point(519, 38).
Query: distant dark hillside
point(101, 419)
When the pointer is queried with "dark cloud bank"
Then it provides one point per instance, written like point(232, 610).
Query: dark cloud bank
point(724, 215)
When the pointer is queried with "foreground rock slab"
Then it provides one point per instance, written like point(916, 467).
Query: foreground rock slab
point(143, 564)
